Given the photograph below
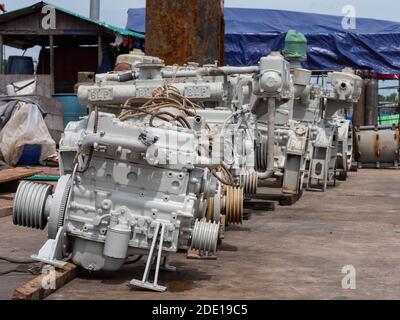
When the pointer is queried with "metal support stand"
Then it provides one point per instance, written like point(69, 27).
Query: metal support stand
point(325, 178)
point(145, 283)
point(51, 252)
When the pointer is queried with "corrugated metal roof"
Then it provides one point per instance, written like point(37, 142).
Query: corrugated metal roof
point(11, 15)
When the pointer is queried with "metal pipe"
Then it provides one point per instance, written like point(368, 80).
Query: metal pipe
point(98, 139)
point(271, 133)
point(117, 94)
point(271, 140)
point(150, 256)
point(205, 71)
point(160, 247)
point(95, 10)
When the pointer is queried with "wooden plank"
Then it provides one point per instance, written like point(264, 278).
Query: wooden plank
point(33, 290)
point(4, 197)
point(5, 212)
point(6, 204)
point(8, 175)
point(44, 85)
point(196, 254)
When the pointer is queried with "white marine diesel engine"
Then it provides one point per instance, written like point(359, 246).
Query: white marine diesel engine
point(322, 109)
point(332, 143)
point(133, 184)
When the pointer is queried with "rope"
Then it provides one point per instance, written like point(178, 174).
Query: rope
point(227, 175)
point(166, 96)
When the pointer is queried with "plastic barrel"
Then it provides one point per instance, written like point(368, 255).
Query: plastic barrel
point(20, 65)
point(73, 110)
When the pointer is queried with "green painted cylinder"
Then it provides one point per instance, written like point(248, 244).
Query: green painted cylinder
point(295, 45)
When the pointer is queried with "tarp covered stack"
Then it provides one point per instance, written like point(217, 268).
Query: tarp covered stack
point(252, 33)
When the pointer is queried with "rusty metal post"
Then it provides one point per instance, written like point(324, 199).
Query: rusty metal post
point(185, 31)
point(359, 108)
point(371, 102)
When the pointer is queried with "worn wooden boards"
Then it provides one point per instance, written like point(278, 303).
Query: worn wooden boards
point(6, 204)
point(34, 289)
point(8, 175)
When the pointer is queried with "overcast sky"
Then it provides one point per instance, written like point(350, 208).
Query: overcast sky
point(115, 11)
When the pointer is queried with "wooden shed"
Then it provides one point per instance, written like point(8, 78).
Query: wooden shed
point(70, 43)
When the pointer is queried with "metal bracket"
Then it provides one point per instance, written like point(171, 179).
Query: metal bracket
point(51, 252)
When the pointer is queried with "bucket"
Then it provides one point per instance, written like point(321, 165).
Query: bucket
point(20, 65)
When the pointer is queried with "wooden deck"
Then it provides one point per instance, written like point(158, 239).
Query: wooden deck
point(293, 252)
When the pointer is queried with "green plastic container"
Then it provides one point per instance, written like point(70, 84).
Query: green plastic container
point(389, 119)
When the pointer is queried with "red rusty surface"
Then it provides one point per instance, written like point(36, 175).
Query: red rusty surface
point(359, 108)
point(185, 31)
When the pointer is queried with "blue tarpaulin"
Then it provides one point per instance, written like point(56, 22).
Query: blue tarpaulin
point(252, 33)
